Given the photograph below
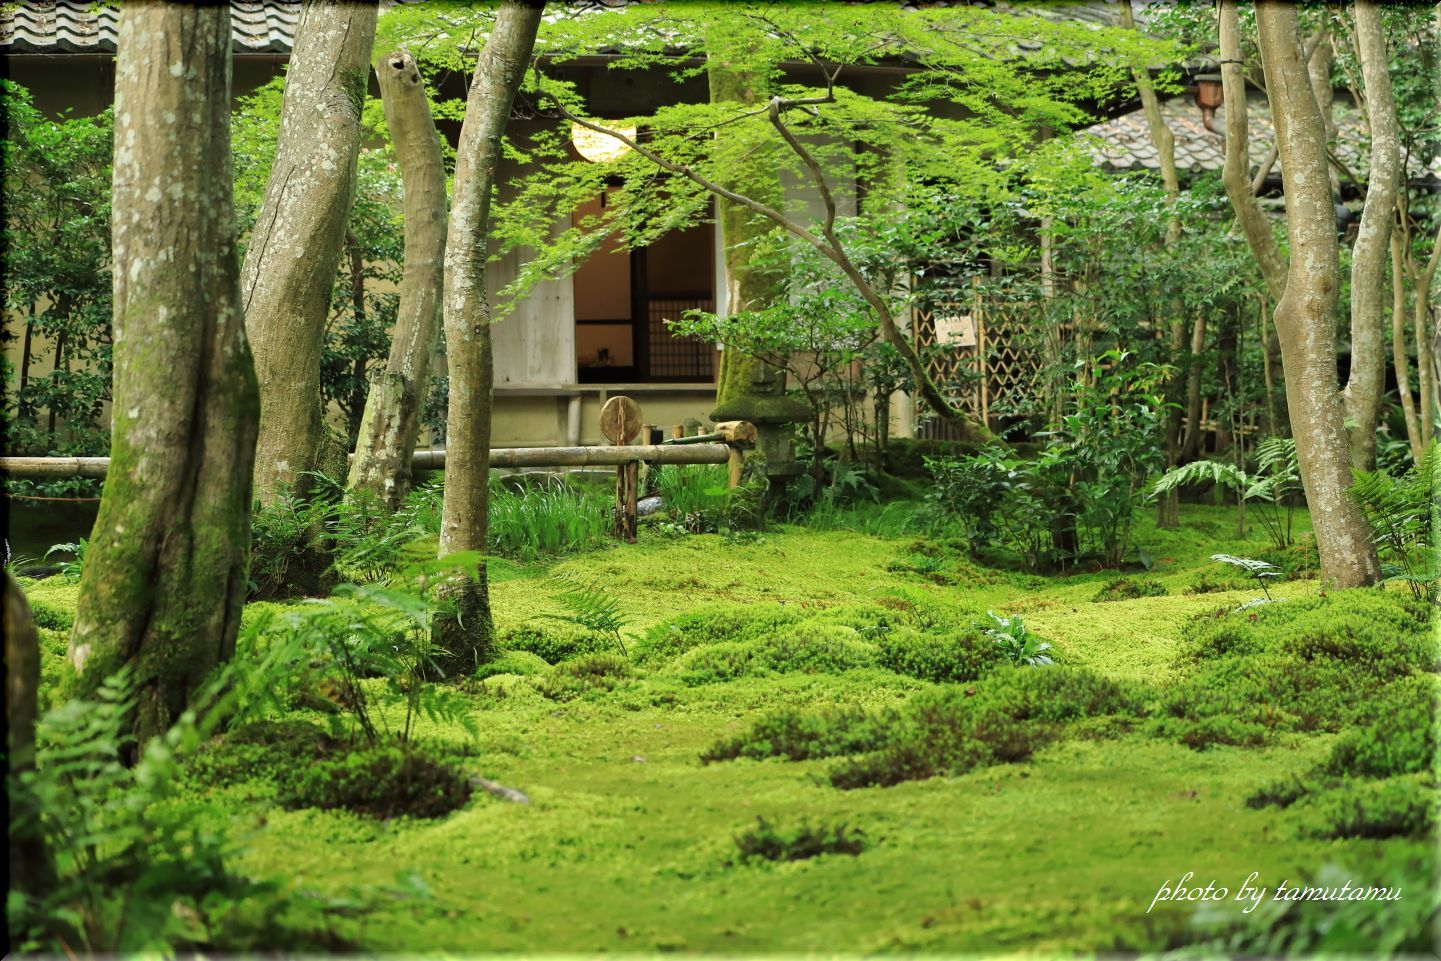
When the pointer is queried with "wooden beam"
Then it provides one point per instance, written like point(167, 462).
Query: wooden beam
point(433, 459)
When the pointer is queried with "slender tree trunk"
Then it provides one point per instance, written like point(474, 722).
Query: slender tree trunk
point(465, 636)
point(1191, 447)
point(1367, 379)
point(166, 572)
point(1399, 340)
point(396, 403)
point(1306, 312)
point(294, 251)
point(357, 308)
point(1235, 173)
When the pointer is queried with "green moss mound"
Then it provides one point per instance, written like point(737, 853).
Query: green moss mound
point(523, 663)
point(263, 750)
point(948, 730)
point(714, 625)
point(552, 641)
point(1312, 664)
point(383, 780)
point(962, 654)
point(1129, 588)
point(584, 675)
point(771, 842)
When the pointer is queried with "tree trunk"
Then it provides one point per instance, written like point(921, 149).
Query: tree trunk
point(31, 871)
point(1235, 173)
point(357, 308)
point(1191, 447)
point(1306, 312)
point(294, 251)
point(166, 573)
point(465, 635)
point(1398, 347)
point(396, 403)
point(1367, 379)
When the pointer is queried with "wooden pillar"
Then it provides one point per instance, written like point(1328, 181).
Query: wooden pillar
point(620, 418)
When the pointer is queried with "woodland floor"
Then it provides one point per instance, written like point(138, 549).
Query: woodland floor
point(628, 844)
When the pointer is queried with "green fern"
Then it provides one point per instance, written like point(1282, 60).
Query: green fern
point(591, 607)
point(1273, 486)
point(1400, 512)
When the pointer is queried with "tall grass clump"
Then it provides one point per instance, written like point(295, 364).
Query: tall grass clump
point(692, 490)
point(548, 518)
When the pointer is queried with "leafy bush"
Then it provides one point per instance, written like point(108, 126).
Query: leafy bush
point(1129, 588)
point(769, 842)
point(128, 869)
point(382, 780)
point(1016, 643)
point(963, 654)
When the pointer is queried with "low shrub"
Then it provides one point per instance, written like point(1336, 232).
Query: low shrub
point(962, 654)
point(769, 842)
point(383, 780)
point(1129, 588)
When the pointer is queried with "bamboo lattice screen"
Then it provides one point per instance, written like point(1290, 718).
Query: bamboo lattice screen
point(997, 376)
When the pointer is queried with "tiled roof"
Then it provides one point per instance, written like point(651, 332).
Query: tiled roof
point(1124, 143)
point(78, 26)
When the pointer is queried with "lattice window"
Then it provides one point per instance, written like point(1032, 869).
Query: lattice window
point(678, 358)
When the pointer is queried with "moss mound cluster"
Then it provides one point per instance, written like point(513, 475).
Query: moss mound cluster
point(307, 768)
point(1129, 588)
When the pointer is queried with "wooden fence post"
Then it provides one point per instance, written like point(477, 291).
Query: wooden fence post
point(620, 418)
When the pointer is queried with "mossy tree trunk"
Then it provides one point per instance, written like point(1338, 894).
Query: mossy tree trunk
point(396, 402)
point(31, 870)
point(165, 576)
point(1306, 313)
point(465, 637)
point(294, 249)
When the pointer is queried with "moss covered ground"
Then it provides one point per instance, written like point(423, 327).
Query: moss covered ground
point(629, 843)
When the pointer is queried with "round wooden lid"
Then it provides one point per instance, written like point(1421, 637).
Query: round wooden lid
point(620, 420)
